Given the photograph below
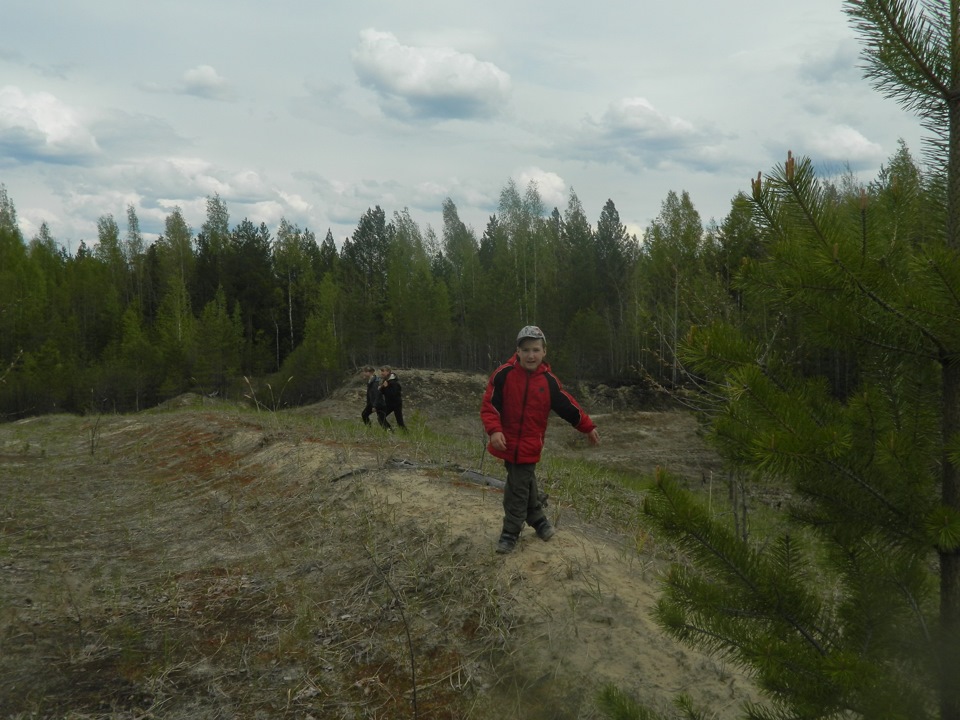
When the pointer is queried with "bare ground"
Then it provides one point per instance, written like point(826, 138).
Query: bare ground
point(208, 561)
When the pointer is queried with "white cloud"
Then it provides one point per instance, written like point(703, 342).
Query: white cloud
point(294, 201)
point(154, 186)
point(636, 115)
point(636, 135)
point(204, 81)
point(843, 144)
point(190, 175)
point(266, 211)
point(552, 188)
point(187, 177)
point(618, 112)
point(429, 82)
point(93, 201)
point(39, 127)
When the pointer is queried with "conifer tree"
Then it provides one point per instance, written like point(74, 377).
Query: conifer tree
point(578, 259)
point(362, 269)
point(418, 317)
point(133, 252)
point(219, 341)
point(13, 262)
point(327, 258)
point(317, 364)
point(520, 217)
point(213, 247)
point(250, 276)
point(498, 311)
point(176, 328)
point(669, 262)
point(110, 254)
point(462, 275)
point(853, 610)
point(295, 253)
point(138, 359)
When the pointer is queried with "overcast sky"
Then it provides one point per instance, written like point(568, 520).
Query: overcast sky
point(317, 111)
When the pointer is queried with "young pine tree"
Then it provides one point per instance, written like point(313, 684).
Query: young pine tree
point(853, 611)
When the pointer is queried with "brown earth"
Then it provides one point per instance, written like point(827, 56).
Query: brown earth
point(206, 560)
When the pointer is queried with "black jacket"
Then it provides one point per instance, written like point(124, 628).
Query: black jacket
point(373, 391)
point(392, 393)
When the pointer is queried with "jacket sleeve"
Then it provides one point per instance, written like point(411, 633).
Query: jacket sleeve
point(563, 404)
point(491, 409)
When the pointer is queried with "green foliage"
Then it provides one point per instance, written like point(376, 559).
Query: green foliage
point(250, 286)
point(840, 616)
point(616, 705)
point(862, 467)
point(219, 342)
point(418, 321)
point(819, 644)
point(577, 357)
point(138, 370)
point(177, 335)
point(401, 295)
point(836, 380)
point(315, 367)
point(460, 273)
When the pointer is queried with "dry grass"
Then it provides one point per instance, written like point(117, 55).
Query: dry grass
point(208, 561)
point(196, 565)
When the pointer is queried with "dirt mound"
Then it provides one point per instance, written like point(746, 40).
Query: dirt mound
point(217, 562)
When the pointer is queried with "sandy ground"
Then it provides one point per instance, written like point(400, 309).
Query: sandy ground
point(583, 602)
point(586, 596)
point(575, 611)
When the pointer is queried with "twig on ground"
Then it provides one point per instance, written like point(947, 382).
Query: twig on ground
point(349, 473)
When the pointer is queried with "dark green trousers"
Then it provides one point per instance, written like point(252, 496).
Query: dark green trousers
point(521, 502)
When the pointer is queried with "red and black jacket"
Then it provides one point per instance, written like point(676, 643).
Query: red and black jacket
point(518, 404)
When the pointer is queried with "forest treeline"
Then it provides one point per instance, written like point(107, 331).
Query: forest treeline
point(123, 324)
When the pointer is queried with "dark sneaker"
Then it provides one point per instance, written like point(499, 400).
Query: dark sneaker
point(544, 530)
point(508, 541)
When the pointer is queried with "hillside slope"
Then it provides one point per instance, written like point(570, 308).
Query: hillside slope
point(210, 561)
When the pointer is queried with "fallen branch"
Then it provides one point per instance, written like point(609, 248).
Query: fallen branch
point(490, 481)
point(350, 473)
point(481, 479)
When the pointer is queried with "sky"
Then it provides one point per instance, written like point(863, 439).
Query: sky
point(317, 111)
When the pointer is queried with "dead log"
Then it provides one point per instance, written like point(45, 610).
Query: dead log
point(481, 479)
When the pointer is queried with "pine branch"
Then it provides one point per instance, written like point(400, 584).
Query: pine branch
point(805, 192)
point(908, 59)
point(687, 523)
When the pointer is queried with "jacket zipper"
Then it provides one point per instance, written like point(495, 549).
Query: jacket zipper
point(523, 413)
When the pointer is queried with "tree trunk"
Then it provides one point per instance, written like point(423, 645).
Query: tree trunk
point(290, 308)
point(950, 419)
point(950, 559)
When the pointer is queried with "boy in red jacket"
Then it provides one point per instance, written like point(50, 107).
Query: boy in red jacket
point(516, 406)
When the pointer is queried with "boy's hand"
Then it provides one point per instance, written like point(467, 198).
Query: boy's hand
point(498, 441)
point(594, 437)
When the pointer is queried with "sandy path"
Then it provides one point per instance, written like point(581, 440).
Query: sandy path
point(583, 607)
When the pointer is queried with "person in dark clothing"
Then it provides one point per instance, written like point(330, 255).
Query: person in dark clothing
point(515, 409)
point(373, 396)
point(391, 395)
